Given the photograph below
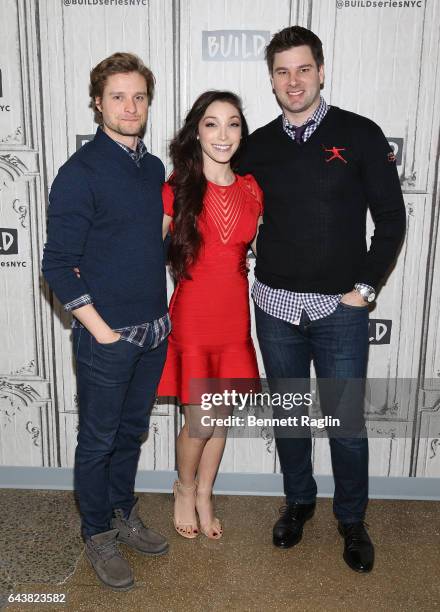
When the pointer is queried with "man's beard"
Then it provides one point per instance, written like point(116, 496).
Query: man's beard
point(119, 129)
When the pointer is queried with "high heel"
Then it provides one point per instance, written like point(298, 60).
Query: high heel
point(182, 528)
point(213, 531)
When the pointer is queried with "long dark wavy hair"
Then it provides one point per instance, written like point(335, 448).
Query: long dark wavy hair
point(189, 183)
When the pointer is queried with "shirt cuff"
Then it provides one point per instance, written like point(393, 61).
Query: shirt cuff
point(81, 301)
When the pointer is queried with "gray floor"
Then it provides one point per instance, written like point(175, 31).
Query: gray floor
point(41, 552)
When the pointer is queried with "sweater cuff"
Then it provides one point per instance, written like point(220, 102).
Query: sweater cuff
point(83, 300)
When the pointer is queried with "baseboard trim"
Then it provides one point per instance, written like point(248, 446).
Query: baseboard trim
point(242, 483)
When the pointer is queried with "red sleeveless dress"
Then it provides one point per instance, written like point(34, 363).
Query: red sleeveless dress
point(210, 317)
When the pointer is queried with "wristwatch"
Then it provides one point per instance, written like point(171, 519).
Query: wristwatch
point(367, 292)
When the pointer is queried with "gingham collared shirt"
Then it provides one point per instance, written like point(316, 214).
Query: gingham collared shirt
point(136, 334)
point(284, 304)
point(136, 155)
point(317, 117)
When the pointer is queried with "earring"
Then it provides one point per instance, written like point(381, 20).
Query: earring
point(198, 137)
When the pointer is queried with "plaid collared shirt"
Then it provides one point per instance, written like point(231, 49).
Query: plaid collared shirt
point(135, 334)
point(136, 155)
point(317, 117)
point(284, 304)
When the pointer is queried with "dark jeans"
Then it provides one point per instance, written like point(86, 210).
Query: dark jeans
point(338, 345)
point(116, 386)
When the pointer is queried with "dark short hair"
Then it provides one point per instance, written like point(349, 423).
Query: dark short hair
point(294, 36)
point(116, 64)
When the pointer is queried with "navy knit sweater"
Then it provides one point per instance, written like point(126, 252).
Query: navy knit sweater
point(105, 216)
point(316, 196)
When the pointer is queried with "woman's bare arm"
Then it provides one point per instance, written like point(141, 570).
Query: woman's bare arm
point(166, 225)
point(254, 241)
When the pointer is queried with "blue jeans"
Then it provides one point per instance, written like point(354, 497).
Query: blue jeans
point(117, 384)
point(338, 345)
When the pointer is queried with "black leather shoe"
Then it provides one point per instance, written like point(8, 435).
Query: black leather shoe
point(288, 529)
point(358, 549)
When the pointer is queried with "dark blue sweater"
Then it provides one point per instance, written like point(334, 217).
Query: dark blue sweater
point(105, 216)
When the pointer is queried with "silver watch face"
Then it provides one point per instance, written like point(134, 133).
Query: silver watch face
point(370, 297)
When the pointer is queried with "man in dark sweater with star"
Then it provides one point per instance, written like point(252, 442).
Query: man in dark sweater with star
point(320, 168)
point(104, 260)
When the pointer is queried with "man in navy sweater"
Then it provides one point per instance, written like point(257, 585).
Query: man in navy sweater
point(320, 168)
point(105, 221)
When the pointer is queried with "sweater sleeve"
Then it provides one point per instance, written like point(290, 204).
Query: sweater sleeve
point(70, 215)
point(384, 195)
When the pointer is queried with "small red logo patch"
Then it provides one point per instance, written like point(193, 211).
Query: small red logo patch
point(335, 154)
point(391, 157)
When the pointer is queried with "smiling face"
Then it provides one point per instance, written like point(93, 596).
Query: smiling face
point(124, 106)
point(219, 133)
point(296, 80)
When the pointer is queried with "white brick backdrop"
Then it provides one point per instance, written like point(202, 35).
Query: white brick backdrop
point(380, 62)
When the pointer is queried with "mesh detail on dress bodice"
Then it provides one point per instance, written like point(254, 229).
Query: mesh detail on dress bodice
point(224, 206)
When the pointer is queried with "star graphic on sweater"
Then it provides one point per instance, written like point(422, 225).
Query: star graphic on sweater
point(335, 154)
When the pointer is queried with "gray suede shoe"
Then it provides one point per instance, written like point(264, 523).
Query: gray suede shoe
point(110, 567)
point(133, 532)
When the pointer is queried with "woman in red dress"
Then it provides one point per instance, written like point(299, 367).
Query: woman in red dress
point(213, 216)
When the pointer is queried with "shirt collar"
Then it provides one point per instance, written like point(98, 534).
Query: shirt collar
point(317, 116)
point(137, 154)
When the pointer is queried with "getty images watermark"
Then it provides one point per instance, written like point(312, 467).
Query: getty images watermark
point(340, 4)
point(291, 407)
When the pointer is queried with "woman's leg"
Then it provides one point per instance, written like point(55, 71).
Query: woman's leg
point(208, 467)
point(190, 445)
